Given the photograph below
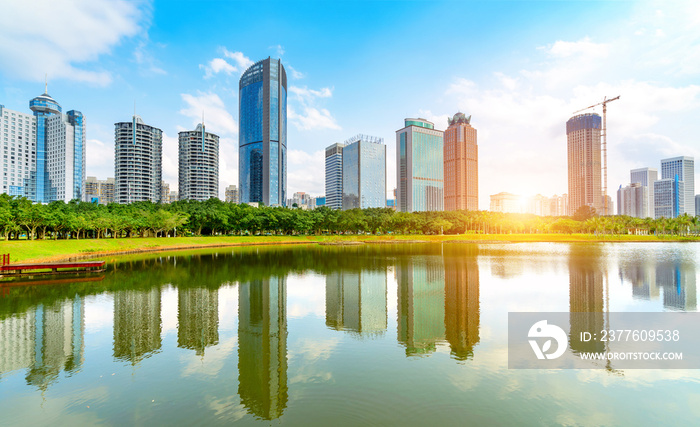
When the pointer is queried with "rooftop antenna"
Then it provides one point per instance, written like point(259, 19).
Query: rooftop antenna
point(46, 83)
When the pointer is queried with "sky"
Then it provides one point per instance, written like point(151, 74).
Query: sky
point(519, 68)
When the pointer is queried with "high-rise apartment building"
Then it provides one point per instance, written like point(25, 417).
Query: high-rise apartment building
point(646, 177)
point(506, 203)
point(138, 156)
point(231, 194)
point(461, 155)
point(165, 192)
point(97, 191)
point(18, 144)
point(364, 172)
point(633, 200)
point(334, 176)
point(419, 166)
point(684, 168)
point(198, 164)
point(669, 197)
point(262, 138)
point(584, 162)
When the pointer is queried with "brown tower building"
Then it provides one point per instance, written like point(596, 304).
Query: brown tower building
point(461, 157)
point(583, 148)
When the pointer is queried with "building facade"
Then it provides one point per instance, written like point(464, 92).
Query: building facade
point(165, 193)
point(364, 173)
point(18, 144)
point(461, 155)
point(231, 194)
point(633, 200)
point(584, 162)
point(669, 198)
point(263, 133)
point(506, 203)
point(684, 168)
point(334, 176)
point(198, 164)
point(138, 156)
point(98, 191)
point(646, 177)
point(697, 205)
point(419, 167)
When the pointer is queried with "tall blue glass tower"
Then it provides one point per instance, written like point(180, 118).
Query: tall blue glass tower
point(43, 107)
point(262, 137)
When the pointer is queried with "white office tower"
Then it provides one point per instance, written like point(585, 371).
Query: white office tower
point(646, 177)
point(18, 145)
point(65, 156)
point(684, 168)
point(334, 176)
point(668, 198)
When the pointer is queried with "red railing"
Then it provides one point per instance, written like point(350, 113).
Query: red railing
point(5, 259)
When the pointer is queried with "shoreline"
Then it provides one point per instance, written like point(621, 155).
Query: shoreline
point(72, 250)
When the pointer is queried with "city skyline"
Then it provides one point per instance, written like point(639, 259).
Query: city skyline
point(520, 85)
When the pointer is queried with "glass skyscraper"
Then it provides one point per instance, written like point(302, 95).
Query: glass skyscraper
point(682, 167)
point(364, 173)
point(262, 143)
point(334, 176)
point(419, 157)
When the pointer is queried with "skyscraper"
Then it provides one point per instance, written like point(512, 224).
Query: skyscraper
point(684, 168)
point(198, 164)
point(461, 165)
point(231, 194)
point(262, 139)
point(138, 172)
point(584, 161)
point(669, 197)
point(364, 172)
point(633, 200)
point(18, 143)
point(419, 161)
point(646, 177)
point(334, 176)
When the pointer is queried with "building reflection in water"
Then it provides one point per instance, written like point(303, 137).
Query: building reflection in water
point(262, 346)
point(461, 299)
point(197, 318)
point(45, 340)
point(586, 302)
point(356, 301)
point(137, 324)
point(675, 275)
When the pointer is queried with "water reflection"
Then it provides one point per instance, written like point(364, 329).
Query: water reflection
point(356, 302)
point(262, 346)
point(197, 319)
point(461, 299)
point(586, 302)
point(137, 324)
point(46, 341)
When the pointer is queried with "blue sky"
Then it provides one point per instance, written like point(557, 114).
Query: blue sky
point(519, 68)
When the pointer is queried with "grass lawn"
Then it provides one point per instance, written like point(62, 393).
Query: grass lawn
point(54, 250)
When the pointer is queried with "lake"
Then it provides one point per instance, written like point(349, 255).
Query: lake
point(380, 334)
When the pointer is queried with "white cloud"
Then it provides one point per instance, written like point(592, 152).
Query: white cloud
point(242, 61)
point(216, 66)
point(279, 49)
point(145, 59)
point(99, 157)
point(584, 47)
point(310, 116)
point(216, 117)
point(296, 75)
point(306, 172)
point(170, 153)
point(59, 38)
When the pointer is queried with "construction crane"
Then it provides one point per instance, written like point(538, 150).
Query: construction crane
point(605, 145)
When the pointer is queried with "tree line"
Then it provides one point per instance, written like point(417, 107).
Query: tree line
point(20, 218)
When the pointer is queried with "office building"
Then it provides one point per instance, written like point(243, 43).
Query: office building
point(198, 164)
point(697, 205)
point(419, 167)
point(231, 194)
point(633, 200)
point(669, 198)
point(320, 201)
point(334, 176)
point(99, 191)
point(364, 172)
point(584, 162)
point(684, 168)
point(646, 177)
point(262, 152)
point(18, 144)
point(461, 165)
point(138, 160)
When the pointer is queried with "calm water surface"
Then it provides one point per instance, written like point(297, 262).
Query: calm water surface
point(376, 335)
